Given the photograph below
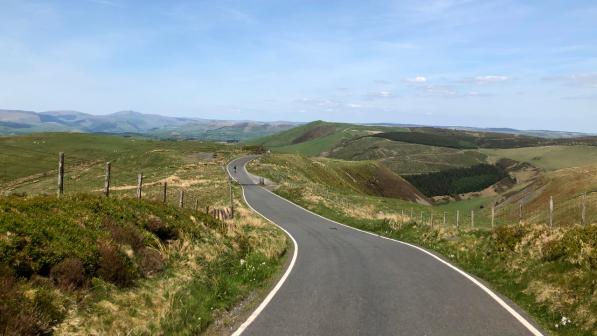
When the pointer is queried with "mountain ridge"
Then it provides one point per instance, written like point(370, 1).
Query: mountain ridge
point(14, 122)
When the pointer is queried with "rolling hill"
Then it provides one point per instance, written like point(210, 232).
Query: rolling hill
point(415, 150)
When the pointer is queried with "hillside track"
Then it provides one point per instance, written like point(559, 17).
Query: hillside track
point(344, 281)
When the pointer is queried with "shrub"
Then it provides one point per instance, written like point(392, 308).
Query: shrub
point(114, 266)
point(68, 274)
point(124, 234)
point(507, 237)
point(47, 312)
point(17, 313)
point(150, 260)
point(578, 247)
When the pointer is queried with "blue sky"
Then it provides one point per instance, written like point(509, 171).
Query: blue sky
point(491, 63)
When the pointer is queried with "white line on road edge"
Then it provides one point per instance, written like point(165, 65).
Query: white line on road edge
point(494, 296)
point(276, 288)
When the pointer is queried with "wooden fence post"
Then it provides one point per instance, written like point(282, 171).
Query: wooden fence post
point(472, 219)
point(520, 212)
point(402, 217)
point(444, 218)
point(164, 192)
point(431, 220)
point(139, 185)
point(421, 221)
point(550, 211)
point(60, 174)
point(181, 200)
point(492, 216)
point(107, 179)
point(583, 212)
point(457, 218)
point(411, 214)
point(196, 205)
point(207, 210)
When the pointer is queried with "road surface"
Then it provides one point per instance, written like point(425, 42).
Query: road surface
point(347, 282)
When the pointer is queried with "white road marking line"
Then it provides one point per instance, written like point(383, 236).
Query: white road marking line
point(276, 288)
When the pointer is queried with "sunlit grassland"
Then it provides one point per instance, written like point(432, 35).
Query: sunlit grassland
point(547, 157)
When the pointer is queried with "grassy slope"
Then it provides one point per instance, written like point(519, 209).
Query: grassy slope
point(358, 177)
point(406, 158)
point(199, 265)
point(547, 157)
point(566, 187)
point(550, 273)
point(294, 140)
point(29, 165)
point(128, 292)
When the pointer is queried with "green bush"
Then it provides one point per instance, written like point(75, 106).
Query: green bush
point(115, 266)
point(506, 237)
point(577, 247)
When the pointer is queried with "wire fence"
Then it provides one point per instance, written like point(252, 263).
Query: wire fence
point(100, 178)
point(553, 211)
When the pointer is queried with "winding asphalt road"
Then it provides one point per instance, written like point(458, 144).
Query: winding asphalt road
point(344, 281)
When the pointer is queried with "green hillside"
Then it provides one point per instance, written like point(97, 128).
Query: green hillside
point(358, 177)
point(407, 158)
point(28, 163)
point(547, 157)
point(87, 264)
point(318, 137)
point(418, 150)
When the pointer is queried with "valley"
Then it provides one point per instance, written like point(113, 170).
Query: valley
point(482, 207)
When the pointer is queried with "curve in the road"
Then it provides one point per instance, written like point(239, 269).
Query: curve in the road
point(349, 282)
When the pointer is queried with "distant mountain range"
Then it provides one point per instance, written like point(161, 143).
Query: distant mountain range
point(13, 122)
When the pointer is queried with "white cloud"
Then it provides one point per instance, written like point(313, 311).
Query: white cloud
point(448, 91)
point(417, 80)
point(351, 105)
point(379, 95)
point(490, 79)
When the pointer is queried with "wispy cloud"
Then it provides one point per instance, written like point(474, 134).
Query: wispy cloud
point(383, 94)
point(417, 80)
point(488, 79)
point(485, 79)
point(581, 80)
point(448, 91)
